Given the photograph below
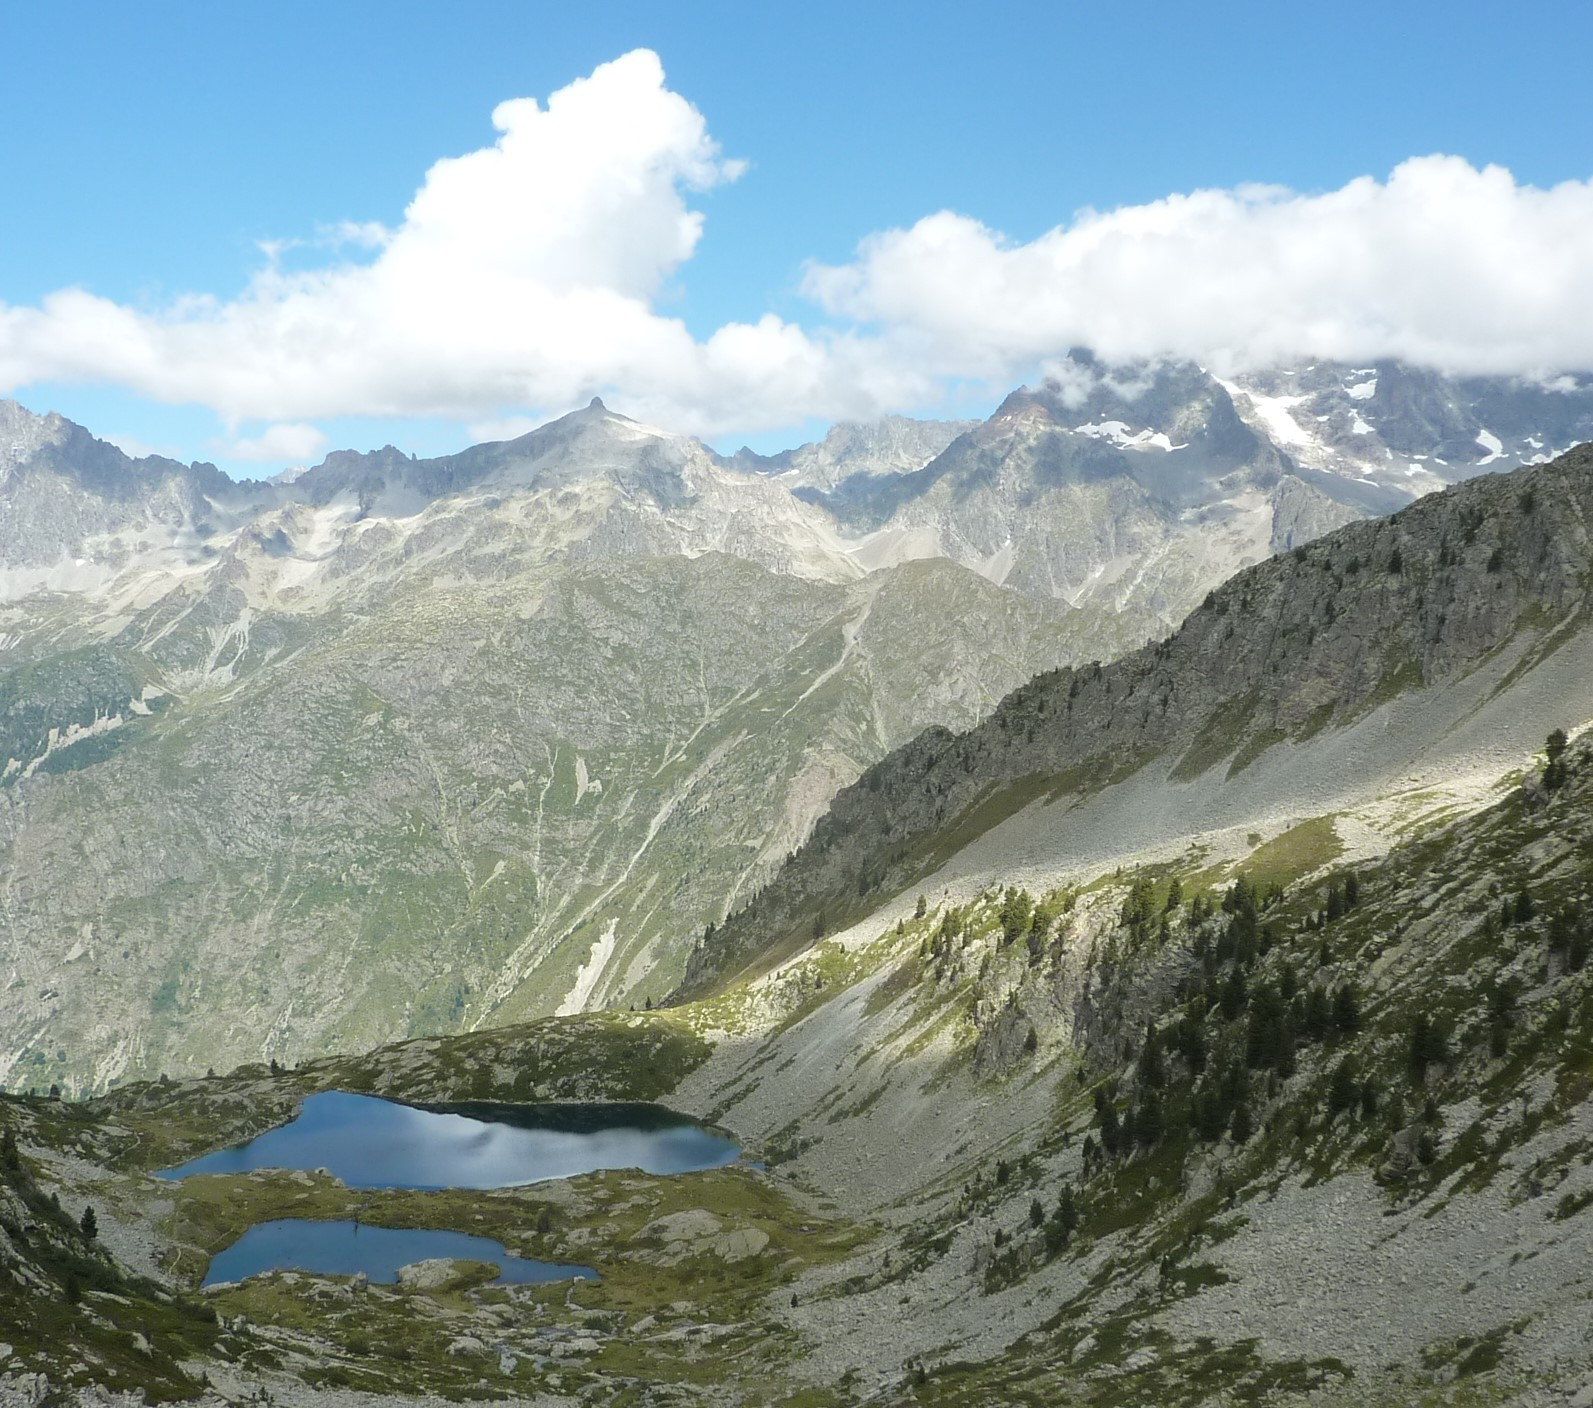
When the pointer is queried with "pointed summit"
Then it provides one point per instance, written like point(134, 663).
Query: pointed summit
point(596, 404)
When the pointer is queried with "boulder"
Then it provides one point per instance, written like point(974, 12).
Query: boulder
point(694, 1225)
point(440, 1273)
point(739, 1244)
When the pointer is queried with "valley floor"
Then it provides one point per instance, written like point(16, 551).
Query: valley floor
point(1298, 1116)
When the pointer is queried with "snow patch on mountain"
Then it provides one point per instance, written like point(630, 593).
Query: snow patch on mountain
point(1274, 412)
point(1117, 433)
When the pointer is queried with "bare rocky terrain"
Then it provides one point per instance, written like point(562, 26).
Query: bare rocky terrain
point(1237, 1051)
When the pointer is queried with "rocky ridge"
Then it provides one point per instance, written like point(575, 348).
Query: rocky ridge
point(370, 711)
point(1291, 650)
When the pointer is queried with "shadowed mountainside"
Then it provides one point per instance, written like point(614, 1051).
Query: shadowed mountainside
point(1298, 646)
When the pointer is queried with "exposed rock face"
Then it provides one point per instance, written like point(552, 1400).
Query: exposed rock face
point(1068, 1161)
point(1305, 642)
point(442, 1273)
point(873, 449)
point(1135, 497)
point(1140, 488)
point(1409, 428)
point(434, 813)
point(75, 511)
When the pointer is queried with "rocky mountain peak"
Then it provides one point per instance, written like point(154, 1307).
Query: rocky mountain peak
point(862, 450)
point(22, 430)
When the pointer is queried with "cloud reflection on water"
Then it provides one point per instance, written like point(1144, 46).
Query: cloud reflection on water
point(371, 1143)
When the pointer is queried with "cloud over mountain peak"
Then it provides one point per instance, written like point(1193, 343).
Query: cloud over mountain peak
point(526, 276)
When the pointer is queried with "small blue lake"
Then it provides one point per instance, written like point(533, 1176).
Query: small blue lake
point(344, 1248)
point(371, 1143)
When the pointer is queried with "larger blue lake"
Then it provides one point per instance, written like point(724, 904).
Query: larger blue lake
point(372, 1143)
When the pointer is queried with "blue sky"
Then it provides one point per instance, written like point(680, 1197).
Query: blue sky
point(153, 150)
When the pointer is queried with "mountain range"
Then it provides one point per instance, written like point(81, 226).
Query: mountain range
point(1208, 1025)
point(394, 747)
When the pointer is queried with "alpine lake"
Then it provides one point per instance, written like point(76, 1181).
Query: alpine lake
point(370, 1143)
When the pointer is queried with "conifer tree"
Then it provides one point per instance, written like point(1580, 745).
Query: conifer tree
point(1265, 1033)
point(1016, 910)
point(1232, 1001)
point(1192, 1045)
point(1318, 1012)
point(1285, 1064)
point(1209, 1112)
point(1344, 1089)
point(1067, 1211)
point(1335, 903)
point(1524, 908)
point(1151, 1073)
point(1039, 930)
point(1555, 771)
point(1429, 1043)
point(1149, 1125)
point(1241, 897)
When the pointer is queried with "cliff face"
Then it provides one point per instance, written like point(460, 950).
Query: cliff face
point(1299, 645)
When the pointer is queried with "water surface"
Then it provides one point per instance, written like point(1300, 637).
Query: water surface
point(372, 1143)
point(344, 1248)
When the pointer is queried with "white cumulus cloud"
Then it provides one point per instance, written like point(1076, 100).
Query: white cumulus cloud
point(526, 276)
point(1443, 265)
point(522, 274)
point(287, 440)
